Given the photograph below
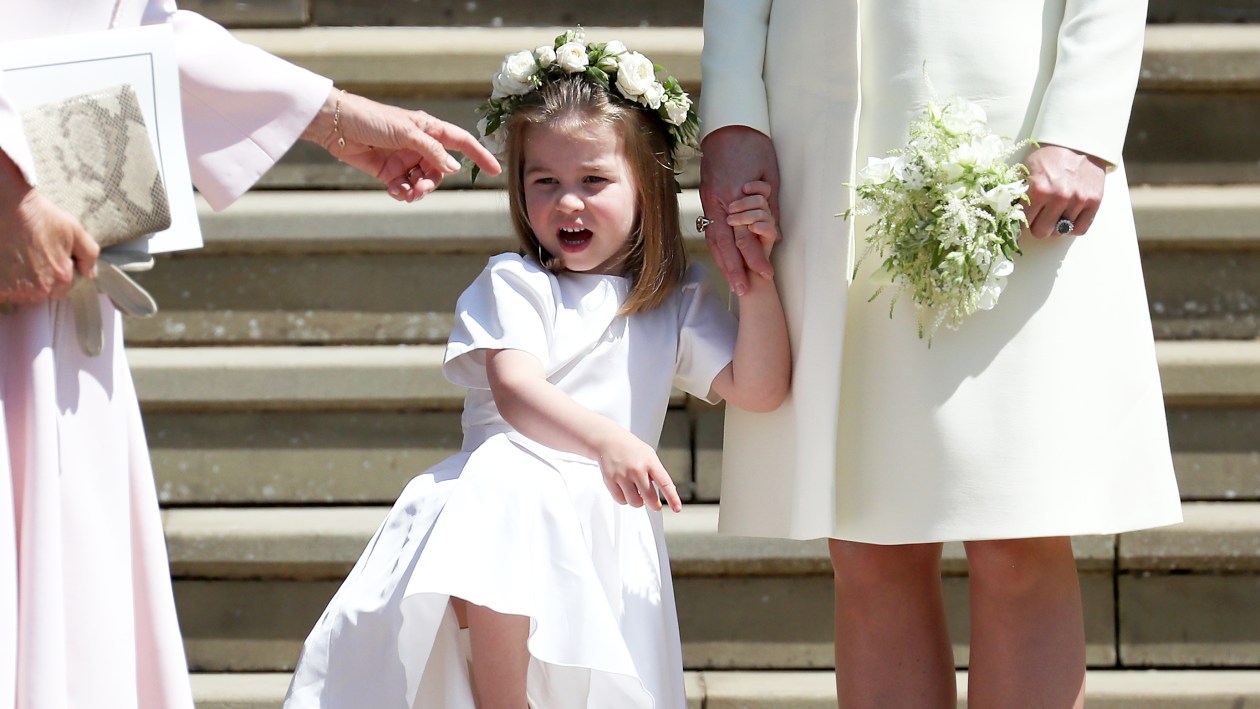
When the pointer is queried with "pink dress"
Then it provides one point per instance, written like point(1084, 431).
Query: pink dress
point(87, 617)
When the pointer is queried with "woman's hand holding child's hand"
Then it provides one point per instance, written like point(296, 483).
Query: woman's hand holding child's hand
point(754, 213)
point(630, 468)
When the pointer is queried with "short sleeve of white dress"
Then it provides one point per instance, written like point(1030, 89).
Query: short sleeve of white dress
point(706, 336)
point(510, 306)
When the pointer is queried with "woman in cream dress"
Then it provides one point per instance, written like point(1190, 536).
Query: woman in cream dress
point(1038, 420)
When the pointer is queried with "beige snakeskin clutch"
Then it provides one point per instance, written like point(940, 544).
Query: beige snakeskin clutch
point(94, 160)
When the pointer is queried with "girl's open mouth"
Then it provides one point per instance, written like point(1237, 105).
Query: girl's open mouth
point(573, 240)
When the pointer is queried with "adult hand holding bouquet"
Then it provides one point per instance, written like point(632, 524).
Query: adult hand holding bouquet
point(948, 211)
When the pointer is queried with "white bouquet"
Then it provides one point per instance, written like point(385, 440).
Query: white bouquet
point(948, 210)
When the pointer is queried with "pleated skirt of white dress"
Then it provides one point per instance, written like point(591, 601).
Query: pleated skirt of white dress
point(503, 528)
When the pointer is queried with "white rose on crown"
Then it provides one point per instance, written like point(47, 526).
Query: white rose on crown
point(520, 66)
point(571, 56)
point(505, 85)
point(635, 74)
point(545, 56)
point(494, 142)
point(676, 109)
point(623, 73)
point(653, 95)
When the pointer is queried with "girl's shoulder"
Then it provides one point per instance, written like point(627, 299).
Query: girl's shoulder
point(512, 263)
point(517, 273)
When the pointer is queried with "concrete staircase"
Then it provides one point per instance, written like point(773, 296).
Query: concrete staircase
point(292, 385)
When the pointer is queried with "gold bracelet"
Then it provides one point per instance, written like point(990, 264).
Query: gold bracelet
point(341, 139)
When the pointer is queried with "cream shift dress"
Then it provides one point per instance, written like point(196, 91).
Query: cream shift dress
point(524, 529)
point(1042, 417)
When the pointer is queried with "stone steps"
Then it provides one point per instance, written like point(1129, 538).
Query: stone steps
point(1105, 689)
point(437, 61)
point(1199, 92)
point(276, 462)
point(356, 267)
point(249, 584)
point(310, 425)
point(491, 13)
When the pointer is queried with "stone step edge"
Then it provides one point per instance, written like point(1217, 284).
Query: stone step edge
point(444, 61)
point(715, 689)
point(409, 377)
point(324, 542)
point(369, 221)
point(475, 221)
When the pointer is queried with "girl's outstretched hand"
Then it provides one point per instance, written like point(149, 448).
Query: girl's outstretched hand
point(631, 468)
point(755, 212)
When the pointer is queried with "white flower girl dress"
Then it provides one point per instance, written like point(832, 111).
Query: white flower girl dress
point(524, 529)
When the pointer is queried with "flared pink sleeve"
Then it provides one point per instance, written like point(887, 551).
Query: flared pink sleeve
point(13, 138)
point(243, 108)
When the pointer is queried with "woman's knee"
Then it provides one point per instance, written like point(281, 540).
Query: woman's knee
point(857, 565)
point(1018, 566)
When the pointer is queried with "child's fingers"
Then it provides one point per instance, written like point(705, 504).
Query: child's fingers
point(745, 204)
point(767, 231)
point(614, 489)
point(760, 187)
point(668, 489)
point(630, 491)
point(750, 217)
point(650, 498)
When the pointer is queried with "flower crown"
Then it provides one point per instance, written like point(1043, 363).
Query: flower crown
point(609, 65)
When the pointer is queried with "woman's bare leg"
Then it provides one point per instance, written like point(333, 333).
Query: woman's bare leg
point(892, 643)
point(1027, 626)
point(500, 657)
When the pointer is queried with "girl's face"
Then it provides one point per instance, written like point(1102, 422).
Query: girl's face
point(580, 196)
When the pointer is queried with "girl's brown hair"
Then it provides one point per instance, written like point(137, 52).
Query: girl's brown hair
point(657, 261)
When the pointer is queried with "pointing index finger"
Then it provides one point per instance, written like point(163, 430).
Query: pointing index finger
point(460, 140)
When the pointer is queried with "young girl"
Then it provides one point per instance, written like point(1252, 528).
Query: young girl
point(543, 537)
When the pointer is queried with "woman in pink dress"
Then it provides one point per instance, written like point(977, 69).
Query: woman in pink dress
point(87, 617)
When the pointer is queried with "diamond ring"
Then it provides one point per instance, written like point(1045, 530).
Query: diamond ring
point(1064, 226)
point(703, 222)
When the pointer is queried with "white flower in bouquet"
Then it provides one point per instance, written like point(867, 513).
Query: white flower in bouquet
point(877, 170)
point(961, 117)
point(947, 211)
